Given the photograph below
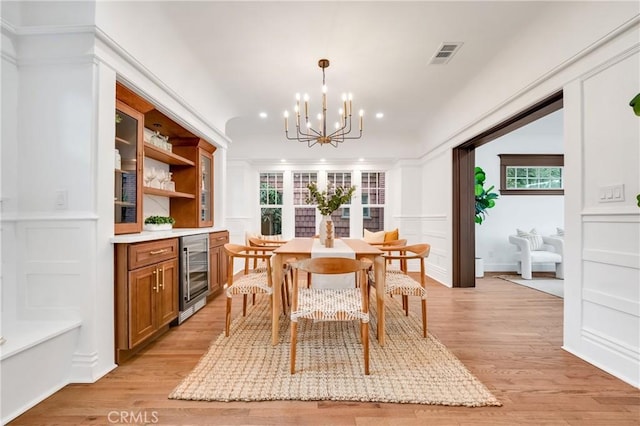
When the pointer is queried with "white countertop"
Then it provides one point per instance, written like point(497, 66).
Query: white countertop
point(160, 235)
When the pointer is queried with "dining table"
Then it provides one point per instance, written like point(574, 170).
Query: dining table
point(301, 248)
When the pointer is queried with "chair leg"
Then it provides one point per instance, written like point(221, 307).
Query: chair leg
point(294, 338)
point(284, 295)
point(424, 318)
point(365, 345)
point(405, 304)
point(244, 304)
point(227, 320)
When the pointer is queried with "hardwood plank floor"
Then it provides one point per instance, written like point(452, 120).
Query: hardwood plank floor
point(509, 336)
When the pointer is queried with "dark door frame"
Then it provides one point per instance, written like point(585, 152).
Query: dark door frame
point(464, 231)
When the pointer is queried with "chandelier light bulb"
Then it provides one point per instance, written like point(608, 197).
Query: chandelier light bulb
point(297, 96)
point(306, 97)
point(286, 114)
point(319, 116)
point(324, 88)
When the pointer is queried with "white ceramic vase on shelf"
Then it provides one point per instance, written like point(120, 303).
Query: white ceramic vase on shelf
point(323, 228)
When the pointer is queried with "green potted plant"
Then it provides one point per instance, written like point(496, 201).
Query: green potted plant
point(159, 223)
point(485, 199)
point(327, 204)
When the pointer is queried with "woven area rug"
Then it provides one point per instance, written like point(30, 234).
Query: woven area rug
point(553, 286)
point(329, 365)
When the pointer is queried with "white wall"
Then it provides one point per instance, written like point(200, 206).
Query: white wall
point(602, 253)
point(511, 212)
point(602, 304)
point(58, 98)
point(436, 207)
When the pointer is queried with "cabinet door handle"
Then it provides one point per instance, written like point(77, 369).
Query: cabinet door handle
point(158, 251)
point(155, 287)
point(162, 285)
point(157, 281)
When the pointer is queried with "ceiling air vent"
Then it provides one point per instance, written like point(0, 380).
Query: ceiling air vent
point(445, 52)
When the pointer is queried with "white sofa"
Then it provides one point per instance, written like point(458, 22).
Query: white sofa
point(551, 252)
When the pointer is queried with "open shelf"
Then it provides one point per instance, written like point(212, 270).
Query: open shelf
point(164, 193)
point(167, 157)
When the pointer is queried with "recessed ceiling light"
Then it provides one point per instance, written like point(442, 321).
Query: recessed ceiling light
point(282, 160)
point(360, 159)
point(379, 114)
point(263, 115)
point(322, 160)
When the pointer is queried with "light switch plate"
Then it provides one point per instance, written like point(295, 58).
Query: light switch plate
point(611, 193)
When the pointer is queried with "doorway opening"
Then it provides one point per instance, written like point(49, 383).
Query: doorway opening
point(464, 240)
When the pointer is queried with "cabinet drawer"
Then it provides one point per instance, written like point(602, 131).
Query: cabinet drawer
point(143, 254)
point(218, 238)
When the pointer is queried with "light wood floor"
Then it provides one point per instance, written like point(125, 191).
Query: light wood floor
point(509, 336)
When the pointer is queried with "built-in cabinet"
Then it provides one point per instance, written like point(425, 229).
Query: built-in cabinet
point(194, 212)
point(147, 287)
point(127, 197)
point(147, 292)
point(217, 260)
point(188, 159)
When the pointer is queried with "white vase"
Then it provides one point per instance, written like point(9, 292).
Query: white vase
point(323, 228)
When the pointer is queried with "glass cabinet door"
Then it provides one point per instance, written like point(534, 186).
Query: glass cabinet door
point(128, 145)
point(206, 194)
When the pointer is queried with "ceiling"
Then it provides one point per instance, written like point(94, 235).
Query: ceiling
point(260, 54)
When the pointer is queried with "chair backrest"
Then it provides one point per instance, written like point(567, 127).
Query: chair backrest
point(247, 253)
point(414, 251)
point(331, 265)
point(405, 253)
point(392, 243)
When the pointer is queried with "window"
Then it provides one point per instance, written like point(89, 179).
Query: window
point(271, 189)
point(531, 174)
point(305, 215)
point(373, 200)
point(340, 217)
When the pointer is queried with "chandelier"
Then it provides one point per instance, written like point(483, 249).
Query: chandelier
point(319, 135)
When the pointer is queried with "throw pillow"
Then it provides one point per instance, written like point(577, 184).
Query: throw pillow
point(391, 235)
point(373, 237)
point(535, 240)
point(560, 232)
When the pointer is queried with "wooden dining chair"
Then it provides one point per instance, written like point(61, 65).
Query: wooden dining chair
point(398, 282)
point(267, 246)
point(251, 281)
point(340, 304)
point(396, 267)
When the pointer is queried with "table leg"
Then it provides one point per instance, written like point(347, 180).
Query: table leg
point(379, 271)
point(275, 298)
